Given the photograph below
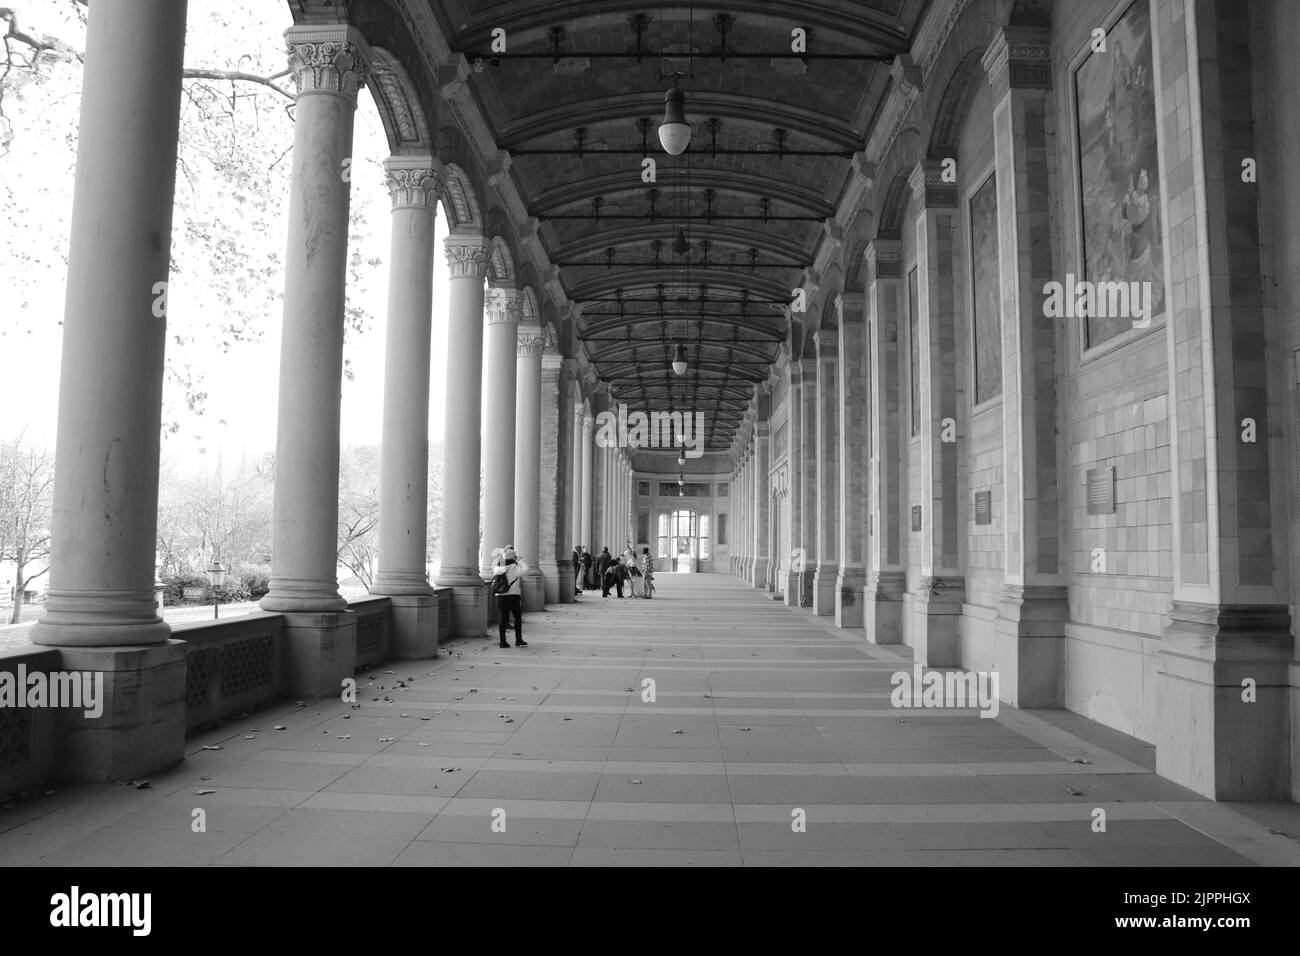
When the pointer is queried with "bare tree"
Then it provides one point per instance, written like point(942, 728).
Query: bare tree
point(358, 541)
point(26, 495)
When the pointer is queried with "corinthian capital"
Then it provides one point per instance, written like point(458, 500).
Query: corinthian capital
point(412, 182)
point(531, 340)
point(501, 304)
point(328, 59)
point(467, 256)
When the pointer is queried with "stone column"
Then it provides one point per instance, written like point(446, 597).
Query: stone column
point(761, 507)
point(555, 541)
point(851, 386)
point(808, 473)
point(886, 581)
point(588, 476)
point(1034, 608)
point(1222, 710)
point(101, 609)
point(828, 472)
point(794, 450)
point(500, 348)
point(746, 513)
point(461, 448)
point(528, 458)
point(402, 575)
point(329, 65)
point(575, 483)
point(938, 596)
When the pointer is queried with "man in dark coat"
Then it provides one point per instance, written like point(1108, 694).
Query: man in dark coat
point(603, 562)
point(586, 568)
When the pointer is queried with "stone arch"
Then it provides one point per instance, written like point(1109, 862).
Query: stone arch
point(831, 285)
point(459, 200)
point(399, 106)
point(528, 310)
point(902, 159)
point(501, 264)
point(956, 73)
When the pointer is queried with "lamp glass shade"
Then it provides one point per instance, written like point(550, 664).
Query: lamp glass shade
point(681, 246)
point(674, 131)
point(218, 574)
point(679, 360)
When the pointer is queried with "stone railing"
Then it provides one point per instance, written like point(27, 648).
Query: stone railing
point(374, 630)
point(231, 666)
point(28, 735)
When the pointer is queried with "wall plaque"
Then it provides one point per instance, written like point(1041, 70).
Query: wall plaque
point(1101, 490)
point(983, 507)
point(916, 517)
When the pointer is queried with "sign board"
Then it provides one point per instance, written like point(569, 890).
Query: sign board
point(983, 507)
point(1101, 490)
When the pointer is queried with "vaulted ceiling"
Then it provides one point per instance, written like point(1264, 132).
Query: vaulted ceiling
point(576, 100)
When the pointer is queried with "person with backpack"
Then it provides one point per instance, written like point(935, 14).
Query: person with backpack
point(508, 589)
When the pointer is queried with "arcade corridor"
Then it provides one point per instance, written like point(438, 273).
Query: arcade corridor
point(776, 711)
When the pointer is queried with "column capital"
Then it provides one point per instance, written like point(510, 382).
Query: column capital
point(1019, 58)
point(414, 182)
point(530, 340)
point(883, 259)
point(467, 255)
point(588, 423)
point(328, 58)
point(850, 306)
point(929, 191)
point(502, 304)
point(809, 366)
point(828, 343)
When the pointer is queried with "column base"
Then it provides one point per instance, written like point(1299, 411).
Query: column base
point(66, 624)
point(320, 651)
point(1212, 738)
point(415, 626)
point(759, 577)
point(305, 595)
point(469, 606)
point(534, 591)
point(934, 610)
point(142, 727)
point(849, 586)
point(793, 588)
point(824, 596)
point(559, 582)
point(1031, 645)
point(882, 607)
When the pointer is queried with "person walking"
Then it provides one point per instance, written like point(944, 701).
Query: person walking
point(577, 570)
point(507, 587)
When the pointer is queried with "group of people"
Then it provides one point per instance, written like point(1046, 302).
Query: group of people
point(608, 573)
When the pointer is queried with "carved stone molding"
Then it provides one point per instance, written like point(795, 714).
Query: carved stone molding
point(327, 59)
point(412, 182)
point(467, 256)
point(1019, 58)
point(531, 341)
point(501, 304)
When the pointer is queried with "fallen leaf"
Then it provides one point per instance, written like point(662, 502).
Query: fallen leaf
point(634, 781)
point(677, 731)
point(1080, 760)
point(281, 727)
point(250, 736)
point(213, 747)
point(1074, 793)
point(449, 769)
point(386, 740)
point(203, 793)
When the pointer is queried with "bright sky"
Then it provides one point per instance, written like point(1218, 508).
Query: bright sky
point(241, 385)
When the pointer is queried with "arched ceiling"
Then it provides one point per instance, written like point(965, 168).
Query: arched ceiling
point(576, 100)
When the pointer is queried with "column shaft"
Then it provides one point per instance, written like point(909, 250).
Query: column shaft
point(105, 508)
point(851, 388)
point(461, 449)
point(528, 460)
point(828, 471)
point(886, 580)
point(500, 366)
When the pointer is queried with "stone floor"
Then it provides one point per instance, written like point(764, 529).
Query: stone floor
point(759, 710)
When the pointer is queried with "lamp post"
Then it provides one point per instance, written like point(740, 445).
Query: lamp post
point(217, 575)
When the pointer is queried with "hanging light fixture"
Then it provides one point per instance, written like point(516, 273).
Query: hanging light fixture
point(674, 131)
point(679, 360)
point(681, 486)
point(681, 246)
